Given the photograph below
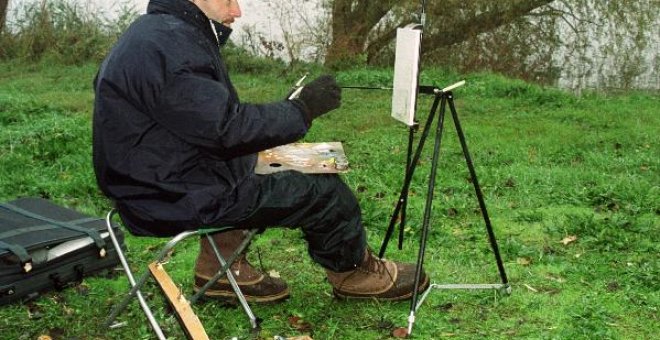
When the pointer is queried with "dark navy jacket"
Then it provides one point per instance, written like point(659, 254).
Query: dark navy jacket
point(174, 147)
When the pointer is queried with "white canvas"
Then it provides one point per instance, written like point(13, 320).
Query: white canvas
point(406, 74)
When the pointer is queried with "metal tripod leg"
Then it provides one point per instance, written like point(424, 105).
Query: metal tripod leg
point(447, 97)
point(409, 174)
point(477, 189)
point(404, 199)
point(427, 212)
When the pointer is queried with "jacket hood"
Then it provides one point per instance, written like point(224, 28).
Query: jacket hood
point(189, 12)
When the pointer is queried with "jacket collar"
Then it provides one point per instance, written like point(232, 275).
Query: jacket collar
point(189, 12)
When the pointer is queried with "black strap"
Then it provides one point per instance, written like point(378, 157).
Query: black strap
point(19, 251)
point(92, 233)
point(43, 227)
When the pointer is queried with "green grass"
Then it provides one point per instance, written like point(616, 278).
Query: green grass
point(551, 165)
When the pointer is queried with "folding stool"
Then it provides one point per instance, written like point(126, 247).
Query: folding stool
point(156, 265)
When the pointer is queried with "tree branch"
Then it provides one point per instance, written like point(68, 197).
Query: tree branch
point(484, 22)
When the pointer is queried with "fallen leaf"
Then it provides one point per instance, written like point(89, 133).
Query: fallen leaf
point(445, 307)
point(531, 288)
point(299, 324)
point(400, 332)
point(82, 289)
point(384, 324)
point(274, 273)
point(34, 312)
point(150, 248)
point(119, 325)
point(524, 261)
point(551, 291)
point(44, 337)
point(568, 240)
point(68, 310)
point(613, 206)
point(56, 333)
point(304, 337)
point(555, 278)
point(613, 286)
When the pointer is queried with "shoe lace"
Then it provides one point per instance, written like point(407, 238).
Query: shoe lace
point(243, 265)
point(373, 264)
point(242, 257)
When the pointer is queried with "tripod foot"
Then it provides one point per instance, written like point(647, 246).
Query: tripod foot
point(411, 321)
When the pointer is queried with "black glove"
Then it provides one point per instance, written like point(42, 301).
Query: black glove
point(319, 97)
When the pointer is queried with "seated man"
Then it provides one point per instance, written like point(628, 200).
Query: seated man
point(175, 149)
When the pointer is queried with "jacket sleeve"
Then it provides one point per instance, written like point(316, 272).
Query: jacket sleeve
point(197, 108)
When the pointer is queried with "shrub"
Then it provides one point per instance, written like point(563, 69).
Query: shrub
point(61, 31)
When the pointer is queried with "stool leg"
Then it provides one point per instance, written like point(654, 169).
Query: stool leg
point(234, 284)
point(135, 287)
point(225, 267)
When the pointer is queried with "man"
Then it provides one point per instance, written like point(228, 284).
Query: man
point(175, 149)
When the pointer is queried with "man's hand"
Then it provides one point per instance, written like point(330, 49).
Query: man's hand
point(319, 97)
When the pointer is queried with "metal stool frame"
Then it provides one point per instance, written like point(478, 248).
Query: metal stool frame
point(136, 285)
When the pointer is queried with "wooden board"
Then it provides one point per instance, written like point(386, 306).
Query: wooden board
point(187, 318)
point(311, 158)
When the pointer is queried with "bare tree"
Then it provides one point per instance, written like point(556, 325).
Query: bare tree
point(366, 27)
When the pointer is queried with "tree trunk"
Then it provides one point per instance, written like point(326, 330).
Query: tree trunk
point(352, 20)
point(3, 13)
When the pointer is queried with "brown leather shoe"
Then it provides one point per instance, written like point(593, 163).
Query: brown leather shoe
point(375, 278)
point(255, 285)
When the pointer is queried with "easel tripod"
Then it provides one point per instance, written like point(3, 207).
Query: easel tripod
point(443, 97)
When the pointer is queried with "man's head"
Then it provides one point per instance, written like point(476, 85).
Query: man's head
point(222, 11)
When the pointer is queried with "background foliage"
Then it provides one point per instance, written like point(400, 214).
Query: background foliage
point(610, 45)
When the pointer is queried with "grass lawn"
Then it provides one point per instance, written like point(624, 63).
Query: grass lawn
point(553, 167)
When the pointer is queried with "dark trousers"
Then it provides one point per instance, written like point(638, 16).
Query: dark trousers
point(322, 206)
